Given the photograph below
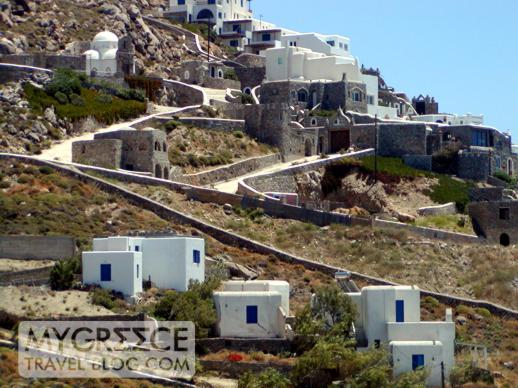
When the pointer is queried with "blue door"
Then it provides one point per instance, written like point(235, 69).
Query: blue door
point(400, 311)
point(106, 272)
point(417, 361)
point(251, 314)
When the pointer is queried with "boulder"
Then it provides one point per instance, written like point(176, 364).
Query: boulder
point(441, 210)
point(354, 211)
point(50, 116)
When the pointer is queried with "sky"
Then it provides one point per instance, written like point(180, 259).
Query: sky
point(462, 52)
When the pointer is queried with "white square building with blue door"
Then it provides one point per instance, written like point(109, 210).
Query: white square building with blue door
point(168, 262)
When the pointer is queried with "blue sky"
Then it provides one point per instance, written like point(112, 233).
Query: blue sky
point(463, 52)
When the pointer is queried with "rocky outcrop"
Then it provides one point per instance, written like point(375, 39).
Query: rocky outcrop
point(49, 26)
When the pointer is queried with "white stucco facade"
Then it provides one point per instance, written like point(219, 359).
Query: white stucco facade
point(373, 107)
point(217, 11)
point(168, 262)
point(101, 59)
point(392, 315)
point(451, 119)
point(239, 33)
point(296, 63)
point(252, 309)
point(118, 271)
point(330, 45)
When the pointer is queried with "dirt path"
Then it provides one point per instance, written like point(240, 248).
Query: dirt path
point(63, 151)
point(231, 185)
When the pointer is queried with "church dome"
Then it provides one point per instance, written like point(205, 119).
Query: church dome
point(106, 36)
point(92, 54)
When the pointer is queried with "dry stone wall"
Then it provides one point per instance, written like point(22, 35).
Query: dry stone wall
point(37, 247)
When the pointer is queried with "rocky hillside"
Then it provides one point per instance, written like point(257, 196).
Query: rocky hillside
point(51, 25)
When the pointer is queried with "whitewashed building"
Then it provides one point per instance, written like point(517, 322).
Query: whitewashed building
point(451, 119)
point(203, 11)
point(252, 309)
point(373, 105)
point(168, 262)
point(391, 315)
point(330, 45)
point(101, 59)
point(239, 33)
point(297, 63)
point(119, 271)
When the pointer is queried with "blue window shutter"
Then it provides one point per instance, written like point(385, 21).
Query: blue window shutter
point(417, 361)
point(106, 272)
point(137, 248)
point(251, 314)
point(400, 311)
point(196, 256)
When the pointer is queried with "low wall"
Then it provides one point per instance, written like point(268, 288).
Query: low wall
point(266, 345)
point(15, 73)
point(37, 247)
point(214, 123)
point(233, 170)
point(35, 277)
point(186, 95)
point(47, 60)
point(486, 194)
point(235, 240)
point(221, 83)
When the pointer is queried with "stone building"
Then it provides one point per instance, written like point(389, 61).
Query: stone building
point(127, 149)
point(213, 74)
point(495, 221)
point(425, 105)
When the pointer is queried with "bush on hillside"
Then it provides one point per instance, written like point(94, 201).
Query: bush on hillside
point(61, 276)
point(502, 175)
point(267, 379)
point(64, 81)
point(445, 161)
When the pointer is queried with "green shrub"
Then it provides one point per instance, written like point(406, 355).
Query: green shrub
point(61, 97)
point(61, 276)
point(77, 100)
point(247, 99)
point(195, 305)
point(103, 297)
point(238, 134)
point(502, 175)
point(24, 178)
point(468, 373)
point(171, 125)
point(230, 74)
point(4, 185)
point(269, 378)
point(64, 81)
point(451, 190)
point(430, 301)
point(104, 98)
point(46, 170)
point(483, 312)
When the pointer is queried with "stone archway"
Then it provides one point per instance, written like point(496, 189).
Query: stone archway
point(166, 173)
point(158, 171)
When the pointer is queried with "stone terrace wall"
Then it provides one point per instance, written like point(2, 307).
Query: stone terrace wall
point(37, 247)
point(235, 240)
point(12, 73)
point(214, 123)
point(37, 277)
point(47, 60)
point(186, 95)
point(231, 171)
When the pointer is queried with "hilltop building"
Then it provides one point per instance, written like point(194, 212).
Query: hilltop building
point(123, 263)
point(330, 45)
point(391, 315)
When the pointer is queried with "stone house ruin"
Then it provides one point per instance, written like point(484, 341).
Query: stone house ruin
point(213, 74)
point(495, 221)
point(128, 149)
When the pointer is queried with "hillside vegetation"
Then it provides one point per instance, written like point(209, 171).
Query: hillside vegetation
point(197, 149)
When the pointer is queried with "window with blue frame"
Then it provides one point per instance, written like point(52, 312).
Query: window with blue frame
point(400, 311)
point(267, 37)
point(106, 272)
point(137, 248)
point(417, 361)
point(252, 315)
point(196, 256)
point(181, 2)
point(479, 138)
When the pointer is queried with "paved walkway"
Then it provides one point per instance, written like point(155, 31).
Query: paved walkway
point(63, 151)
point(231, 185)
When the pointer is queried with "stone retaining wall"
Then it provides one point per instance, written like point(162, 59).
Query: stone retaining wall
point(36, 277)
point(233, 170)
point(186, 95)
point(235, 240)
point(214, 123)
point(9, 73)
point(37, 247)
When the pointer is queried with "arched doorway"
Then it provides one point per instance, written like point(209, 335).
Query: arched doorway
point(505, 241)
point(158, 171)
point(166, 173)
point(308, 148)
point(205, 14)
point(302, 95)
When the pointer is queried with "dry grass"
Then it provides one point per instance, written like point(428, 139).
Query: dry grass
point(482, 272)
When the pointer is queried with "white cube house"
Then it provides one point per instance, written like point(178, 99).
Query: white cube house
point(252, 309)
point(169, 262)
point(118, 271)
